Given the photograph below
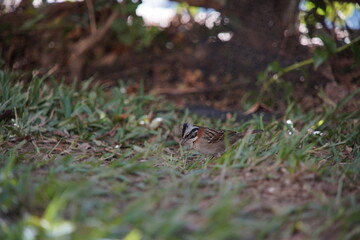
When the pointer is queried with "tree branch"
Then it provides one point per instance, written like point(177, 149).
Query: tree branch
point(91, 11)
point(83, 46)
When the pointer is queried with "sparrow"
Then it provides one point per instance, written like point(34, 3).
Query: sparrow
point(209, 141)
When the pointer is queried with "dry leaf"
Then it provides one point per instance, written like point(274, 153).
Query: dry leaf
point(256, 107)
point(84, 146)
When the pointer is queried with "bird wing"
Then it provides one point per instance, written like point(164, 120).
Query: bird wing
point(222, 135)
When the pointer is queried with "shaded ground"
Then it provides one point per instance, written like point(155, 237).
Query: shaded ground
point(268, 183)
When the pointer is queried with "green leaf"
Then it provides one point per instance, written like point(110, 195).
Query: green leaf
point(320, 56)
point(274, 66)
point(133, 235)
point(31, 23)
point(131, 7)
point(356, 52)
point(119, 25)
point(127, 39)
point(329, 43)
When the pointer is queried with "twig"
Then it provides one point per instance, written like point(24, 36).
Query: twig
point(311, 60)
point(276, 77)
point(91, 11)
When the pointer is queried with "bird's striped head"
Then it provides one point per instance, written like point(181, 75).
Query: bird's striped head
point(188, 133)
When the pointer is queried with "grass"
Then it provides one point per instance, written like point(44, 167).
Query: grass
point(99, 163)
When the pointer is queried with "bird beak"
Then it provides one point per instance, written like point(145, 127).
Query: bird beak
point(183, 142)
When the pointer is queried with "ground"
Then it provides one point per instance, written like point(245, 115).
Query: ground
point(96, 163)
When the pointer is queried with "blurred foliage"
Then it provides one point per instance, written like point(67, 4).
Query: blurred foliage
point(327, 13)
point(325, 20)
point(185, 7)
point(128, 28)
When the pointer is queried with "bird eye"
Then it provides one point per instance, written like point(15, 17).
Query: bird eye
point(192, 133)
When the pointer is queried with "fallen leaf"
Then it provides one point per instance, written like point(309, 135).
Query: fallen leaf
point(84, 146)
point(348, 149)
point(256, 107)
point(61, 133)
